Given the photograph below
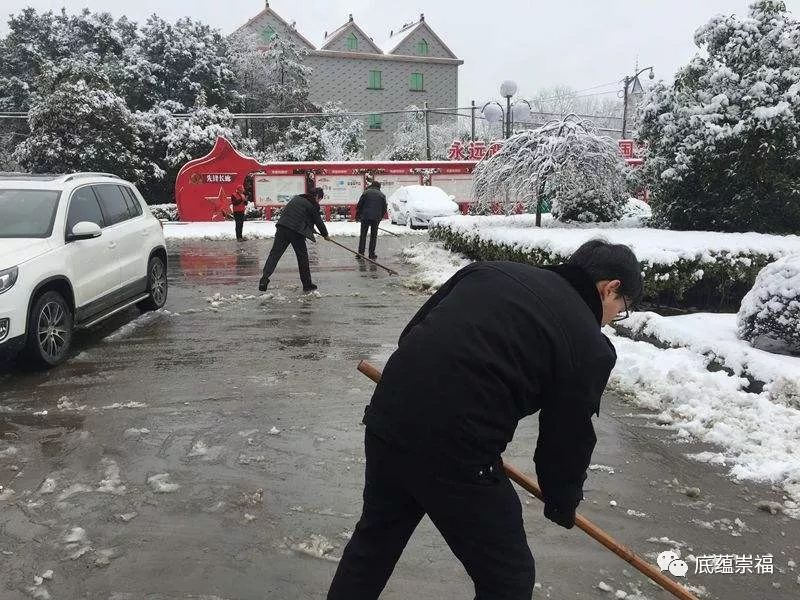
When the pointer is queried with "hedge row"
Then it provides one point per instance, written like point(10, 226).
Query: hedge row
point(717, 285)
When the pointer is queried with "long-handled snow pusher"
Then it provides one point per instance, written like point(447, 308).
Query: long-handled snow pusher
point(389, 232)
point(625, 553)
point(391, 271)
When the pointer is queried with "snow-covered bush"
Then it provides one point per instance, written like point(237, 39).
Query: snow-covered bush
point(409, 140)
point(330, 138)
point(564, 162)
point(636, 213)
point(722, 140)
point(769, 317)
point(164, 212)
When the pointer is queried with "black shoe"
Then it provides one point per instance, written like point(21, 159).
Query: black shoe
point(309, 289)
point(359, 256)
point(262, 284)
point(373, 256)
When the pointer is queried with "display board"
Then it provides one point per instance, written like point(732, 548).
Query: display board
point(390, 183)
point(270, 190)
point(341, 189)
point(458, 185)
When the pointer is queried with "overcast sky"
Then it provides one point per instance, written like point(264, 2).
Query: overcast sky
point(538, 43)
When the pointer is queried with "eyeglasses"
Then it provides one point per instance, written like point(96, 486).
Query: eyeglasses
point(625, 315)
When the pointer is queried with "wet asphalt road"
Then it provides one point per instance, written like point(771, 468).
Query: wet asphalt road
point(217, 453)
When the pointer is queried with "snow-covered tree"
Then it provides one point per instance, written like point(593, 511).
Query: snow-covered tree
point(580, 173)
point(408, 139)
point(722, 140)
point(173, 141)
point(81, 124)
point(335, 137)
point(769, 317)
point(182, 60)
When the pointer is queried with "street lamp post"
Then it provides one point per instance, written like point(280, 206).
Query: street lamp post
point(507, 89)
point(627, 81)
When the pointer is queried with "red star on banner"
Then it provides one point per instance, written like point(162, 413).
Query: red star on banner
point(219, 205)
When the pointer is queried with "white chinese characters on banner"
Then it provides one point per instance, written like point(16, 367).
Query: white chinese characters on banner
point(341, 189)
point(270, 190)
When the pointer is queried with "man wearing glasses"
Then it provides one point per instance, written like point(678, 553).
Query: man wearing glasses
point(499, 341)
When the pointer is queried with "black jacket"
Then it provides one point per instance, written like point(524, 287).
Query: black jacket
point(372, 205)
point(500, 341)
point(300, 214)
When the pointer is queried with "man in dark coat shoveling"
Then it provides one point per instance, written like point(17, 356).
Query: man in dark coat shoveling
point(296, 223)
point(369, 211)
point(499, 341)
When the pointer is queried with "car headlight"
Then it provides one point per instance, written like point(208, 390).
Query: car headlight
point(8, 278)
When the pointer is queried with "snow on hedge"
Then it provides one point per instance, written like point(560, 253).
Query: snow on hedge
point(770, 313)
point(659, 246)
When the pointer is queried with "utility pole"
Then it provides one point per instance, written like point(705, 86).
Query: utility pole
point(427, 133)
point(508, 117)
point(472, 122)
point(626, 82)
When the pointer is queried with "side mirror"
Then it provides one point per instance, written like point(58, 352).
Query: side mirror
point(85, 230)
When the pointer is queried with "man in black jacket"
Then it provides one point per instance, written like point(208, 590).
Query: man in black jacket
point(370, 210)
point(296, 224)
point(499, 341)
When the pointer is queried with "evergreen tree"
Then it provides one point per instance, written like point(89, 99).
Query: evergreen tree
point(722, 140)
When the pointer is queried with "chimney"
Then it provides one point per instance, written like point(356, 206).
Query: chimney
point(351, 17)
point(267, 3)
point(326, 35)
point(421, 16)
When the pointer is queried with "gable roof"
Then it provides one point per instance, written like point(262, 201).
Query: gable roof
point(349, 25)
point(391, 44)
point(268, 11)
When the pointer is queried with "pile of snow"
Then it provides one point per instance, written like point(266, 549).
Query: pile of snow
point(635, 213)
point(770, 313)
point(656, 246)
point(755, 436)
point(224, 230)
point(435, 265)
point(714, 336)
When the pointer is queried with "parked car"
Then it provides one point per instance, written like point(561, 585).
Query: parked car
point(416, 205)
point(74, 250)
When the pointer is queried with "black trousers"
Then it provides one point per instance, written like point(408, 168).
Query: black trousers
point(283, 239)
point(373, 237)
point(238, 217)
point(475, 509)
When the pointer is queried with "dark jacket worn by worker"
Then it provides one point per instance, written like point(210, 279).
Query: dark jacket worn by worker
point(500, 341)
point(300, 215)
point(371, 205)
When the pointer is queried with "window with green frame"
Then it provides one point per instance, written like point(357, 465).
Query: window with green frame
point(352, 42)
point(375, 82)
point(422, 47)
point(268, 33)
point(417, 82)
point(375, 121)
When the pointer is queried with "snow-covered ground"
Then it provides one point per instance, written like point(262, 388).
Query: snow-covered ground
point(652, 245)
point(224, 230)
point(755, 433)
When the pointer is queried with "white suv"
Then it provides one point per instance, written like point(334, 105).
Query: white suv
point(74, 249)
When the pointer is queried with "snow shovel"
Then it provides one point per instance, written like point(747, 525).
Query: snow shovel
point(625, 553)
point(391, 271)
point(389, 232)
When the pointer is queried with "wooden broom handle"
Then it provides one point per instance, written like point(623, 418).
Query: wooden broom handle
point(625, 553)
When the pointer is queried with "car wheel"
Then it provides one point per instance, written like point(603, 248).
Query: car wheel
point(409, 224)
point(157, 286)
point(49, 331)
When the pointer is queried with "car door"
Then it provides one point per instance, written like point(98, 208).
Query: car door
point(126, 228)
point(93, 263)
